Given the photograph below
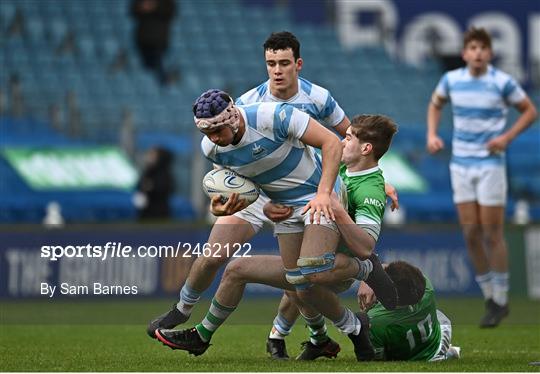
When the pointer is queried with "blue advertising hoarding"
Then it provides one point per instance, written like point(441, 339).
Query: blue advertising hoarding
point(151, 262)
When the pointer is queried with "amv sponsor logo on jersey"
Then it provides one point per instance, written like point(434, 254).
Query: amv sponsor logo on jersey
point(372, 201)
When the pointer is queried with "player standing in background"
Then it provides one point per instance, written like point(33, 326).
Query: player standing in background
point(282, 56)
point(480, 95)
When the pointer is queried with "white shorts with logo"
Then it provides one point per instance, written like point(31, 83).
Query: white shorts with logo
point(294, 224)
point(486, 185)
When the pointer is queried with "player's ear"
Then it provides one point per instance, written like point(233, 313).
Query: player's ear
point(463, 53)
point(491, 54)
point(299, 63)
point(367, 148)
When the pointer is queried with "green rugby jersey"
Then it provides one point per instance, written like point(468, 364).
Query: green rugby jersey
point(409, 333)
point(366, 198)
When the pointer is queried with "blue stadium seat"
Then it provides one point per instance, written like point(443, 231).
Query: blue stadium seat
point(35, 28)
point(7, 13)
point(51, 8)
point(86, 48)
point(58, 29)
point(109, 49)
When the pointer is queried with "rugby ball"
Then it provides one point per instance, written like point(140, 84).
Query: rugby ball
point(224, 182)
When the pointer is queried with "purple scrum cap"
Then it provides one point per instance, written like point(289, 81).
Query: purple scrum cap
point(211, 103)
point(215, 108)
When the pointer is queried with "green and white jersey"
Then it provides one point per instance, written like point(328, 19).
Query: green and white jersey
point(366, 198)
point(410, 333)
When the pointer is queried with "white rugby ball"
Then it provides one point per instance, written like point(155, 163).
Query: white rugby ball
point(225, 182)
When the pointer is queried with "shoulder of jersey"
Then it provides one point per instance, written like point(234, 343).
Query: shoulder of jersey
point(317, 94)
point(501, 75)
point(456, 73)
point(254, 95)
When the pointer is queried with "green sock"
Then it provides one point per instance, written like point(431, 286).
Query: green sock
point(217, 314)
point(317, 329)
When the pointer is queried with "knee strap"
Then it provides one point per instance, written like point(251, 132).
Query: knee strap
point(319, 264)
point(295, 277)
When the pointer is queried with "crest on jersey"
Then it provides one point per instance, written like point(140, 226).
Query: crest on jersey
point(258, 152)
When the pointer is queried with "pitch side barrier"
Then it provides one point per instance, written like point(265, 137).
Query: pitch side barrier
point(150, 261)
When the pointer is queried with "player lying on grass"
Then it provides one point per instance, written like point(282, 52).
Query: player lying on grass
point(367, 139)
point(417, 331)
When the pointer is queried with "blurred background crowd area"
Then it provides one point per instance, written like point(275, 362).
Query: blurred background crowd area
point(78, 83)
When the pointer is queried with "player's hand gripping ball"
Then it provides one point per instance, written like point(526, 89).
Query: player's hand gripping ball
point(225, 182)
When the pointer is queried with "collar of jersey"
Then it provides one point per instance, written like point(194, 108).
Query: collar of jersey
point(489, 71)
point(290, 100)
point(361, 172)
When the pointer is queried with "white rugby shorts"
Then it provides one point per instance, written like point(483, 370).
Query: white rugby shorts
point(297, 222)
point(294, 224)
point(486, 185)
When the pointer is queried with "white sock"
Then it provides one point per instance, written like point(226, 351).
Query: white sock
point(486, 285)
point(500, 283)
point(348, 323)
point(188, 298)
point(281, 328)
point(275, 334)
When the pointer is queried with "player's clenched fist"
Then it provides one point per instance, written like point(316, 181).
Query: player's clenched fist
point(434, 144)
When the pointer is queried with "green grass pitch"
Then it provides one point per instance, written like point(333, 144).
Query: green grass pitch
point(89, 335)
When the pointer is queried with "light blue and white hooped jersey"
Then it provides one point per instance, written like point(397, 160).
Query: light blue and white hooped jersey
point(311, 99)
point(480, 107)
point(271, 154)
